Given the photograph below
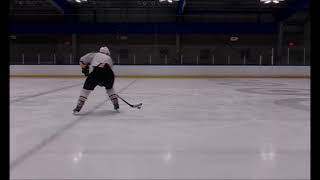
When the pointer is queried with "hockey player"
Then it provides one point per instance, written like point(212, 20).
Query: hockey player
point(102, 75)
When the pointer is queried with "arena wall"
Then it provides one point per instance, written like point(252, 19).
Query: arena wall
point(178, 71)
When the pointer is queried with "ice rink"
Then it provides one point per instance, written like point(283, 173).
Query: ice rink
point(187, 128)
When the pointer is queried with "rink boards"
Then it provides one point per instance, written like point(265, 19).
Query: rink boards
point(165, 71)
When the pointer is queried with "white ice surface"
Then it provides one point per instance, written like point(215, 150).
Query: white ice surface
point(187, 128)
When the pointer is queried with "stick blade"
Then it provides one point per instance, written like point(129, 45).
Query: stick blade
point(137, 105)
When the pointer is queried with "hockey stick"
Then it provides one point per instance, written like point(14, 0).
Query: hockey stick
point(131, 105)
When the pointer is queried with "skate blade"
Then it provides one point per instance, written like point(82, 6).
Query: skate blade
point(75, 113)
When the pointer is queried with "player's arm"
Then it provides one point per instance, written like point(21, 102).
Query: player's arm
point(85, 69)
point(84, 63)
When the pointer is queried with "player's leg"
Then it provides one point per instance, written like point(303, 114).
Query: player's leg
point(88, 86)
point(108, 81)
point(113, 97)
point(82, 99)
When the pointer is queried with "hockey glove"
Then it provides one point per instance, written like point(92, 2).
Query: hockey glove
point(85, 71)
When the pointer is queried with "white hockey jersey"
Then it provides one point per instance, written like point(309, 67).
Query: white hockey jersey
point(94, 59)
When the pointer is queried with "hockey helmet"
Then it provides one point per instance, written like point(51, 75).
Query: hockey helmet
point(104, 50)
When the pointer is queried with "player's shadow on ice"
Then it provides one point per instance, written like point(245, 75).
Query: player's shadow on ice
point(100, 113)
